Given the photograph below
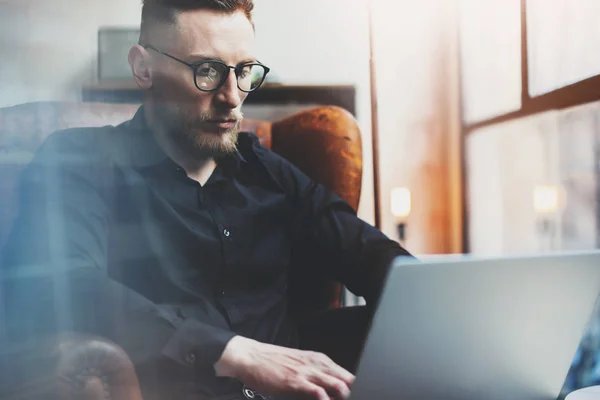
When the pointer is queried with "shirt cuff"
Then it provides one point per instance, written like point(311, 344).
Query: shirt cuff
point(197, 344)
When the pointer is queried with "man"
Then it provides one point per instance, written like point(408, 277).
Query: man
point(173, 236)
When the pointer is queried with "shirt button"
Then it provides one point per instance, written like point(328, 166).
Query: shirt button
point(226, 233)
point(249, 394)
point(190, 358)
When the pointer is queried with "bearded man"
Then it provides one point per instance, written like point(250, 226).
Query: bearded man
point(173, 234)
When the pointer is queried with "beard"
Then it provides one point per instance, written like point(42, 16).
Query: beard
point(194, 135)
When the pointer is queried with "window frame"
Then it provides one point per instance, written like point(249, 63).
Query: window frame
point(582, 92)
point(579, 93)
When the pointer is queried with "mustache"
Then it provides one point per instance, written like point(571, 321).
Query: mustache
point(230, 116)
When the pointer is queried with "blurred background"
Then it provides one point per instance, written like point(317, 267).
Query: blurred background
point(480, 118)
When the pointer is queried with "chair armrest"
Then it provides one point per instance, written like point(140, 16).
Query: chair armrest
point(68, 367)
point(95, 369)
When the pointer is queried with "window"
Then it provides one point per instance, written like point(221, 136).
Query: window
point(546, 144)
point(563, 40)
point(490, 35)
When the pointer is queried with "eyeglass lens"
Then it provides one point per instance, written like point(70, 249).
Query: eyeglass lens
point(209, 75)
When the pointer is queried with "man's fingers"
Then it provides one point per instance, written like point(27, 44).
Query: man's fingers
point(316, 391)
point(336, 388)
point(332, 368)
point(341, 373)
point(337, 371)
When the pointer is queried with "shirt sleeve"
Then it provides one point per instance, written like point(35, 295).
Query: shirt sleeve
point(54, 266)
point(330, 237)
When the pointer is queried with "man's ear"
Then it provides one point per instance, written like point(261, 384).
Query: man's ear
point(139, 60)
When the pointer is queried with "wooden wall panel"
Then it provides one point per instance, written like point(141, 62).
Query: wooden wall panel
point(419, 121)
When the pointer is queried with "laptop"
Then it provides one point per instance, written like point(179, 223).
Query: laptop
point(478, 329)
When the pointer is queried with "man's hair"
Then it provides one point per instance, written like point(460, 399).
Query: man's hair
point(156, 12)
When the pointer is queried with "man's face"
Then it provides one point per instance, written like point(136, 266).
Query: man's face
point(202, 124)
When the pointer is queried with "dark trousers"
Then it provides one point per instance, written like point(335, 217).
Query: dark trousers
point(339, 333)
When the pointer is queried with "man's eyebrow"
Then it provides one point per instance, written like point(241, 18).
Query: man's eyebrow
point(203, 57)
point(250, 60)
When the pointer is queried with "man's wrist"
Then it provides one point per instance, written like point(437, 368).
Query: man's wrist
point(233, 357)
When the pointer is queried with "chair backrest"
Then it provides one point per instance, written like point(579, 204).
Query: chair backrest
point(324, 142)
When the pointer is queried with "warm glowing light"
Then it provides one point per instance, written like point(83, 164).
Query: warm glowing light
point(401, 202)
point(546, 199)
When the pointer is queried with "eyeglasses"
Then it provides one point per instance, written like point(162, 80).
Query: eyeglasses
point(210, 75)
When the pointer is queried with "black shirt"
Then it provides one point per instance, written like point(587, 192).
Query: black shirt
point(114, 239)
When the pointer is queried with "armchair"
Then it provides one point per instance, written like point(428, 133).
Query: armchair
point(324, 142)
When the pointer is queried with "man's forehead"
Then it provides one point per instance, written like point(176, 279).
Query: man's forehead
point(209, 33)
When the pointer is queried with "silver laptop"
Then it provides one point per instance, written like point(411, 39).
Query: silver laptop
point(478, 329)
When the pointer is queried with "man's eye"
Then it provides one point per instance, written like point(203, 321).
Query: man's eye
point(207, 72)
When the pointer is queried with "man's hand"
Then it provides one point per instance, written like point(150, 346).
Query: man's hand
point(280, 371)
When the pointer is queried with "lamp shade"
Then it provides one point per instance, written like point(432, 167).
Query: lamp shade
point(400, 202)
point(546, 199)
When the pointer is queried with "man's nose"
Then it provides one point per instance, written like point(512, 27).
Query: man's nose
point(229, 95)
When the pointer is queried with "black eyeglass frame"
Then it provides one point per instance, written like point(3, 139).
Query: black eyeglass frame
point(196, 65)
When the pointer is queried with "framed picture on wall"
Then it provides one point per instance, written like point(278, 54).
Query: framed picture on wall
point(113, 48)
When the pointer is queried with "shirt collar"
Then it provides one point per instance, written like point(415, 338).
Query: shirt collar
point(144, 150)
